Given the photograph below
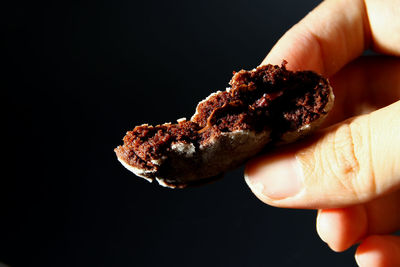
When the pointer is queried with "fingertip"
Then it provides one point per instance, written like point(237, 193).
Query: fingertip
point(341, 228)
point(302, 56)
point(379, 251)
point(325, 40)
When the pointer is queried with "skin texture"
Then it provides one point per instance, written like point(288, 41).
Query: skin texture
point(349, 170)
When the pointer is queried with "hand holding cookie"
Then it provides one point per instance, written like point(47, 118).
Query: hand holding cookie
point(350, 170)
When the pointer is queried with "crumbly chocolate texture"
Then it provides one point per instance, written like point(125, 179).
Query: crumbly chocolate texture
point(266, 105)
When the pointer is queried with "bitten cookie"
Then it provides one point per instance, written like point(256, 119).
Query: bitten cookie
point(266, 105)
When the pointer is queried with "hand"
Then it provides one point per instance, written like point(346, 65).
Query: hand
point(350, 170)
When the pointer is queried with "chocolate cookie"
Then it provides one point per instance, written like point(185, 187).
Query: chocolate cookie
point(266, 105)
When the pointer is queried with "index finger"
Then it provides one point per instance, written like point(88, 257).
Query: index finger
point(336, 32)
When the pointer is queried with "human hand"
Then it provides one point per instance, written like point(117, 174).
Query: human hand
point(350, 170)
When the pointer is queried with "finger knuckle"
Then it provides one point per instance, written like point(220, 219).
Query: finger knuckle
point(351, 159)
point(344, 149)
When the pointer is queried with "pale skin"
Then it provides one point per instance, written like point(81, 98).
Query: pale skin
point(349, 170)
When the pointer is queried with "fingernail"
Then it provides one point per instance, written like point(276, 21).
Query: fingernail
point(274, 177)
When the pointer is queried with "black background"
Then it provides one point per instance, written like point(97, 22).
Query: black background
point(78, 76)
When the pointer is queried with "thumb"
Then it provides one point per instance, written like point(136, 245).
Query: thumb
point(346, 164)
